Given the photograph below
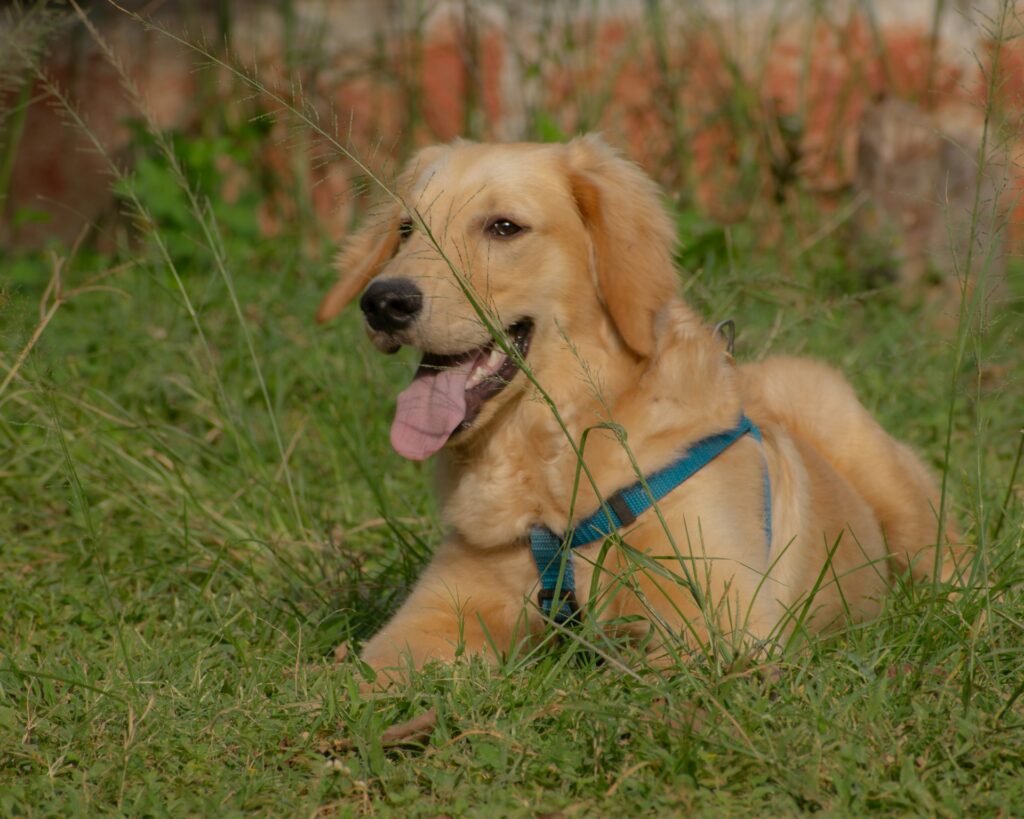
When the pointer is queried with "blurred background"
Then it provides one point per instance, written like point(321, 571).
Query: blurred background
point(764, 112)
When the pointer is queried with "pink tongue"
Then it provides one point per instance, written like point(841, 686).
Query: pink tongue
point(429, 410)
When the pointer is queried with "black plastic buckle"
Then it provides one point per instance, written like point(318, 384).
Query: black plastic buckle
point(567, 598)
point(618, 505)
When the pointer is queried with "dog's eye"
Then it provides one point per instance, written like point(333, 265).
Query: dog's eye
point(503, 228)
point(405, 229)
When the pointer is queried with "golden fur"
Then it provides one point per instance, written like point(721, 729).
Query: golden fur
point(613, 343)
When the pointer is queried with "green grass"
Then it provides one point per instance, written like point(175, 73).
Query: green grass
point(198, 502)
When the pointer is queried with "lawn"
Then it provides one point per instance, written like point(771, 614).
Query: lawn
point(198, 503)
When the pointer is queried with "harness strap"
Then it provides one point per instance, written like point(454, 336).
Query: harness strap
point(553, 553)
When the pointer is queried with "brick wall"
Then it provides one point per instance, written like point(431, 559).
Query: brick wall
point(729, 107)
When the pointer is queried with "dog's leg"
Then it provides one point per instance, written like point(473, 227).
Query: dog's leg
point(468, 601)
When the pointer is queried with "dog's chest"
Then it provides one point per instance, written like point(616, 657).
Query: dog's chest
point(496, 499)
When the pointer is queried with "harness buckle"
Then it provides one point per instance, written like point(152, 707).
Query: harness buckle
point(568, 607)
point(617, 503)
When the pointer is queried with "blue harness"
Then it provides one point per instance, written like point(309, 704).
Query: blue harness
point(553, 554)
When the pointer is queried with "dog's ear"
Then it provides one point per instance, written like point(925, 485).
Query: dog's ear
point(370, 247)
point(632, 234)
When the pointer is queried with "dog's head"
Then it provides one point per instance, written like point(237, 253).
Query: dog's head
point(491, 249)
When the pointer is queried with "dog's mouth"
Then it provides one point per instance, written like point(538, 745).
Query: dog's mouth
point(448, 392)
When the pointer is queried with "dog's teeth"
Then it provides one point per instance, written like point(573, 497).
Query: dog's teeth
point(486, 368)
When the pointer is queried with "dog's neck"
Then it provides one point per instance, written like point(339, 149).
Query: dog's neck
point(525, 470)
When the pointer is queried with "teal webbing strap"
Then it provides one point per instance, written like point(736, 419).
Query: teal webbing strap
point(553, 554)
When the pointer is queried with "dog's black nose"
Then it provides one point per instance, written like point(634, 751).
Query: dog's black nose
point(391, 304)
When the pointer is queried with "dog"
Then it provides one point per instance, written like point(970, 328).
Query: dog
point(562, 375)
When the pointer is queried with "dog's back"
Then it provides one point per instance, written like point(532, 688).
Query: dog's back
point(815, 404)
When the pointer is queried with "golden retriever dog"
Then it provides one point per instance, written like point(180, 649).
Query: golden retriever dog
point(560, 367)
